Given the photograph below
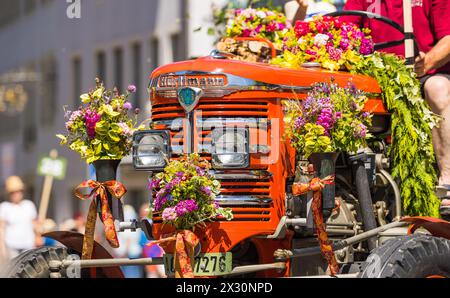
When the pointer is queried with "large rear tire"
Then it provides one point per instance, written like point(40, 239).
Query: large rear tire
point(414, 256)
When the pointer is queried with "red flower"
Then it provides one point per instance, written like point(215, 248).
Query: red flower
point(301, 28)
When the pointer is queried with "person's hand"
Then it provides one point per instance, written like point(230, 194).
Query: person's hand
point(420, 67)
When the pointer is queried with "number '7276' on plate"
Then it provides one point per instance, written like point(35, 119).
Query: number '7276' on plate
point(209, 264)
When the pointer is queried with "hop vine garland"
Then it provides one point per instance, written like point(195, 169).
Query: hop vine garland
point(412, 123)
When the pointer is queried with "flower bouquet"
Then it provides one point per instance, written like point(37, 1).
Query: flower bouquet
point(331, 119)
point(185, 198)
point(325, 40)
point(101, 131)
point(102, 128)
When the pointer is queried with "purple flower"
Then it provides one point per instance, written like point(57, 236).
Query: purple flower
point(154, 183)
point(299, 122)
point(185, 207)
point(179, 175)
point(367, 46)
point(365, 115)
point(344, 44)
point(360, 131)
point(206, 190)
point(200, 171)
point(326, 120)
point(159, 204)
point(338, 115)
point(216, 205)
point(131, 89)
point(127, 106)
point(169, 214)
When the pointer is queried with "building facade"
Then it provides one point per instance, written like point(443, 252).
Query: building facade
point(51, 52)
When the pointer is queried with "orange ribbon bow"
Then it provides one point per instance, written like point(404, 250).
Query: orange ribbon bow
point(185, 243)
point(316, 185)
point(117, 190)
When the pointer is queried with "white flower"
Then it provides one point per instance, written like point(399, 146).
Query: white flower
point(261, 14)
point(321, 39)
point(300, 41)
point(247, 13)
point(230, 23)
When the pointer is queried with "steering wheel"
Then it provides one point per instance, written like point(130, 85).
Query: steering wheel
point(381, 45)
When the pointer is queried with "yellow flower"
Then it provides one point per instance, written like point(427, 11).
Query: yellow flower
point(85, 98)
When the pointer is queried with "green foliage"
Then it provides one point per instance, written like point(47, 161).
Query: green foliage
point(412, 123)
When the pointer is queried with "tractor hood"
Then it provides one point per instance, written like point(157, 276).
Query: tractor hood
point(238, 73)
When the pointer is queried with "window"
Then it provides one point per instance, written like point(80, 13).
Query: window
point(137, 64)
point(154, 55)
point(101, 66)
point(177, 47)
point(118, 68)
point(9, 11)
point(48, 89)
point(29, 6)
point(76, 73)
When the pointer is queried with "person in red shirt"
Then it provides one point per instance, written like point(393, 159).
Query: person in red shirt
point(432, 31)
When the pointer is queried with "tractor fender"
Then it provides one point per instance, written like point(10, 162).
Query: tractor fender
point(437, 227)
point(74, 241)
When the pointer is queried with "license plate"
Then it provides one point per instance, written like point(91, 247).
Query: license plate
point(210, 264)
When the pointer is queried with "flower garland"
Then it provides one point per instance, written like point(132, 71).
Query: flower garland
point(412, 123)
point(258, 22)
point(186, 192)
point(102, 128)
point(330, 119)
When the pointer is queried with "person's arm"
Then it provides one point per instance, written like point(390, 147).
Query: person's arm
point(300, 15)
point(434, 59)
point(354, 5)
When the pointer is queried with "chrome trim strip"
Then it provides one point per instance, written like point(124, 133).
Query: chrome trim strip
point(235, 84)
point(224, 200)
point(241, 175)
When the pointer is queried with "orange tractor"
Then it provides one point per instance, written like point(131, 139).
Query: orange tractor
point(231, 113)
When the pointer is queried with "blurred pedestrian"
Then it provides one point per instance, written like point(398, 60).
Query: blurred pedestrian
point(130, 246)
point(18, 220)
point(154, 251)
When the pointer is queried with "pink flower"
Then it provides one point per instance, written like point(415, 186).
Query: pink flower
point(169, 214)
point(131, 88)
point(91, 120)
point(127, 106)
point(246, 33)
